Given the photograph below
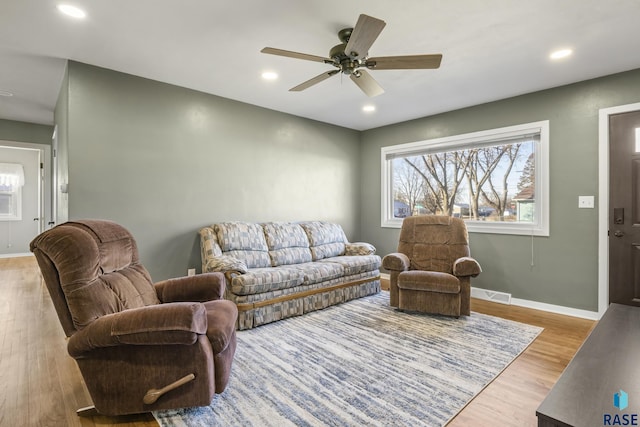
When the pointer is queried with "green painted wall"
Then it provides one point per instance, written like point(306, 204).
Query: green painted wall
point(565, 263)
point(11, 130)
point(165, 161)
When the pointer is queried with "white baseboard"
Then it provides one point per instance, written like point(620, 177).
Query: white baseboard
point(489, 295)
point(542, 306)
point(16, 255)
point(559, 309)
point(501, 297)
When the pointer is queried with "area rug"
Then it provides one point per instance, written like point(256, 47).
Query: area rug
point(360, 363)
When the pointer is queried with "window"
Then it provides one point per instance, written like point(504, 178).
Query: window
point(496, 180)
point(11, 182)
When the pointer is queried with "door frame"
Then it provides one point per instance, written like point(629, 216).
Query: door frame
point(603, 205)
point(44, 185)
point(53, 221)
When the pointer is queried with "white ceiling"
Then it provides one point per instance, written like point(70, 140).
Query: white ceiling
point(492, 49)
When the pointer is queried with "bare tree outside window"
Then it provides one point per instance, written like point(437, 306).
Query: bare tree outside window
point(497, 193)
point(496, 179)
point(408, 189)
point(473, 183)
point(442, 174)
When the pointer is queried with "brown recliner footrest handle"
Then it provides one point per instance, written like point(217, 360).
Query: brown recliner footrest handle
point(154, 393)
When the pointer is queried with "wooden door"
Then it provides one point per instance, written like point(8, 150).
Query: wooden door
point(624, 208)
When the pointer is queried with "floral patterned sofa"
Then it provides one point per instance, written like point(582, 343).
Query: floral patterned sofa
point(277, 270)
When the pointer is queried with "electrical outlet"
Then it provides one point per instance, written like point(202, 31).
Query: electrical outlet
point(191, 272)
point(586, 202)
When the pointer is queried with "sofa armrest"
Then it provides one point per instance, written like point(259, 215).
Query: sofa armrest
point(466, 266)
point(161, 324)
point(359, 248)
point(209, 246)
point(199, 288)
point(396, 262)
point(225, 264)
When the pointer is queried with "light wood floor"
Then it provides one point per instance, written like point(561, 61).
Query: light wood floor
point(40, 385)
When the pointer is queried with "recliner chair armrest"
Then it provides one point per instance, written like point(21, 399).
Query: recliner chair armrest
point(200, 288)
point(161, 324)
point(466, 266)
point(396, 262)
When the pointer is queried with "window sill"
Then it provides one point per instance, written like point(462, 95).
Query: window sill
point(490, 228)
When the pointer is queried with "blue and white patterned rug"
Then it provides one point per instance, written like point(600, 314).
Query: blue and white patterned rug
point(360, 363)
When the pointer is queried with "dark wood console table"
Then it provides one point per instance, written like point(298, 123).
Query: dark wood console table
point(608, 361)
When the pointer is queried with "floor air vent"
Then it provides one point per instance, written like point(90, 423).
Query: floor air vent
point(495, 296)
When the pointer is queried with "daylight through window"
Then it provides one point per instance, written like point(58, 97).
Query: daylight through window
point(11, 182)
point(495, 180)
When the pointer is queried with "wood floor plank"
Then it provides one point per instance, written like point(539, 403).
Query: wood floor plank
point(512, 399)
point(40, 384)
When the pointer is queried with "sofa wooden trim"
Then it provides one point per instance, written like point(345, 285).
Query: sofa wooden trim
point(253, 305)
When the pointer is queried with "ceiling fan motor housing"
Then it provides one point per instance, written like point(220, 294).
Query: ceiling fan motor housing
point(337, 53)
point(345, 34)
point(342, 60)
point(346, 63)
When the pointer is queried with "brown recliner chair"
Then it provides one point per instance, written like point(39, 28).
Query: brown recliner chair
point(432, 270)
point(140, 347)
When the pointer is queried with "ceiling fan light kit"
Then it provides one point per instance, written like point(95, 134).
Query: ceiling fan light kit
point(351, 57)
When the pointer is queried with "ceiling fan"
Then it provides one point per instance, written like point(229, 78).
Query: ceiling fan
point(351, 57)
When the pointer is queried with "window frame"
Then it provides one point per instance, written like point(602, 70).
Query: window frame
point(540, 227)
point(16, 201)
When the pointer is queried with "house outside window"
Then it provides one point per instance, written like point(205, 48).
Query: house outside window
point(496, 180)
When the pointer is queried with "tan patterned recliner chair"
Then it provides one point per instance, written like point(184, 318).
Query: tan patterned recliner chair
point(140, 346)
point(432, 270)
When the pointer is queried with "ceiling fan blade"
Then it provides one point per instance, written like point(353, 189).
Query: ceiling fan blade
point(367, 83)
point(408, 62)
point(297, 55)
point(317, 79)
point(365, 32)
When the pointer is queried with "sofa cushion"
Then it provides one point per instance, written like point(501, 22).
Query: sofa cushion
point(356, 264)
point(287, 243)
point(326, 239)
point(259, 280)
point(244, 241)
point(318, 272)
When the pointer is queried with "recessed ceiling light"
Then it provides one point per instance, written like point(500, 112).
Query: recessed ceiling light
point(5, 93)
point(269, 75)
point(559, 54)
point(369, 108)
point(72, 11)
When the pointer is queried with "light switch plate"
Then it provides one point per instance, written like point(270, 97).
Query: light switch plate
point(586, 202)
